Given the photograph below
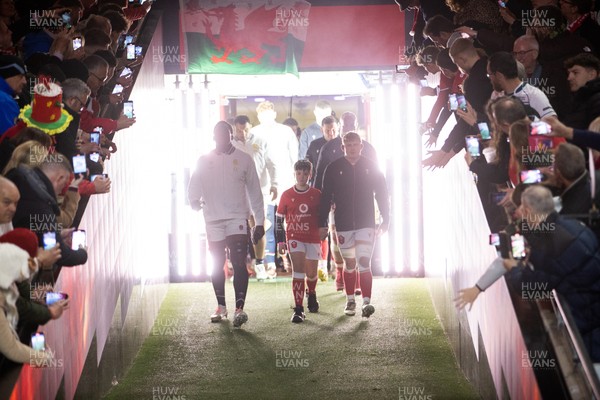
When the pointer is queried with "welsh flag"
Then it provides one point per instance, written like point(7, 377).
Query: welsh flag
point(244, 37)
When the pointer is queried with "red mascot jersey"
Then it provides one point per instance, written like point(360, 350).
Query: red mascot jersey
point(301, 211)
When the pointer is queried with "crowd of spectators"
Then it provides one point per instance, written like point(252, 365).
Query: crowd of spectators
point(64, 71)
point(523, 82)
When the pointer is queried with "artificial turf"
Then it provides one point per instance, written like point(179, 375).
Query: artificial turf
point(401, 352)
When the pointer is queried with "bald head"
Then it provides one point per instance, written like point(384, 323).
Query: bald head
point(9, 197)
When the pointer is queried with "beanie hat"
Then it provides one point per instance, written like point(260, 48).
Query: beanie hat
point(23, 238)
point(11, 66)
point(15, 262)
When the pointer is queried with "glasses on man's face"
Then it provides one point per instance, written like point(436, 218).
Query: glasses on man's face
point(99, 79)
point(81, 103)
point(522, 53)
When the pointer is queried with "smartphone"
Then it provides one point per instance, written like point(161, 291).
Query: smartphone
point(38, 342)
point(517, 244)
point(126, 71)
point(99, 129)
point(531, 176)
point(95, 137)
point(473, 146)
point(94, 157)
point(128, 39)
point(77, 43)
point(494, 239)
point(49, 240)
point(78, 239)
point(128, 108)
point(79, 165)
point(131, 51)
point(117, 89)
point(93, 177)
point(453, 102)
point(484, 130)
point(138, 51)
point(402, 67)
point(423, 82)
point(66, 18)
point(504, 245)
point(502, 3)
point(540, 128)
point(497, 197)
point(53, 297)
point(462, 102)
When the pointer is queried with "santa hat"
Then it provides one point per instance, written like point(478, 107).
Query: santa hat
point(14, 263)
point(24, 238)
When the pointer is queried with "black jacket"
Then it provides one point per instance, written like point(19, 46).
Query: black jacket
point(37, 210)
point(565, 256)
point(331, 151)
point(586, 105)
point(351, 189)
point(577, 199)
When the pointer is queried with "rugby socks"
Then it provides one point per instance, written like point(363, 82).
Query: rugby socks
point(240, 284)
point(349, 282)
point(366, 279)
point(218, 282)
point(357, 286)
point(339, 276)
point(312, 284)
point(298, 288)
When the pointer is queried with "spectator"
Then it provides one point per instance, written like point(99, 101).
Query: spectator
point(580, 22)
point(95, 40)
point(24, 134)
point(329, 127)
point(479, 14)
point(313, 131)
point(584, 81)
point(12, 82)
point(572, 179)
point(15, 268)
point(293, 124)
point(38, 188)
point(439, 30)
point(503, 73)
point(550, 78)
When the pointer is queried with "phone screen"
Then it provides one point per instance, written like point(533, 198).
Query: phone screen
point(473, 146)
point(453, 101)
point(53, 297)
point(517, 243)
point(423, 82)
point(66, 18)
point(38, 342)
point(138, 51)
point(126, 71)
point(131, 51)
point(128, 109)
point(128, 39)
point(93, 177)
point(94, 157)
point(484, 130)
point(494, 239)
point(502, 3)
point(49, 239)
point(79, 165)
point(95, 137)
point(540, 128)
point(462, 102)
point(117, 89)
point(76, 43)
point(531, 176)
point(78, 239)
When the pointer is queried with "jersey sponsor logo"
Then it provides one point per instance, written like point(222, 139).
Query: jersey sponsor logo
point(293, 244)
point(341, 239)
point(303, 208)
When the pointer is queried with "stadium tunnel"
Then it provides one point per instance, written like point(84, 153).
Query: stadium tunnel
point(350, 56)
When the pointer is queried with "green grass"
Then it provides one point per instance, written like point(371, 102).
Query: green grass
point(400, 351)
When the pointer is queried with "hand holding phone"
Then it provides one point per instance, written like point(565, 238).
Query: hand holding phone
point(77, 43)
point(540, 128)
point(53, 297)
point(473, 146)
point(484, 130)
point(531, 176)
point(462, 102)
point(453, 102)
point(49, 240)
point(95, 137)
point(78, 239)
point(79, 164)
point(128, 108)
point(130, 51)
point(117, 89)
point(38, 342)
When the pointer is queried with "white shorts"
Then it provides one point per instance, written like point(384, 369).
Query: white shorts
point(347, 240)
point(312, 250)
point(332, 219)
point(217, 231)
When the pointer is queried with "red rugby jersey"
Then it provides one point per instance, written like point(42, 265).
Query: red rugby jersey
point(301, 212)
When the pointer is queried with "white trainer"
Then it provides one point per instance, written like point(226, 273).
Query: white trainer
point(261, 273)
point(219, 314)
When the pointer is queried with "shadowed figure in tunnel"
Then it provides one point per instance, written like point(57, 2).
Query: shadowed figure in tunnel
point(225, 186)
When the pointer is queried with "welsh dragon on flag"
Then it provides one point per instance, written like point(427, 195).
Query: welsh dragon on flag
point(244, 37)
